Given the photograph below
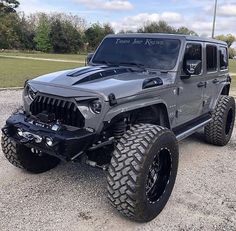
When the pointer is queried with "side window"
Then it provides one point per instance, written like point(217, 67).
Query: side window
point(223, 58)
point(193, 51)
point(211, 58)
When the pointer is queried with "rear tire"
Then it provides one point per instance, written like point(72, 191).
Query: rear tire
point(142, 172)
point(22, 157)
point(219, 130)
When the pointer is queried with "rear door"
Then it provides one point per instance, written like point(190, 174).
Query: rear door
point(216, 71)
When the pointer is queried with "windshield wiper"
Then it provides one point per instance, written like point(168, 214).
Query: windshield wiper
point(106, 63)
point(131, 64)
point(139, 65)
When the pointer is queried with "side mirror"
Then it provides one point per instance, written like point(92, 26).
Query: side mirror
point(89, 57)
point(193, 67)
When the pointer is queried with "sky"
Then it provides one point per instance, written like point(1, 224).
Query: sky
point(130, 14)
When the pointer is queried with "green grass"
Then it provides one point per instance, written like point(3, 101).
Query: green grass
point(14, 72)
point(232, 69)
point(76, 57)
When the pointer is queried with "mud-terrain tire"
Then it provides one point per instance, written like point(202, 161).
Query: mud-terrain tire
point(142, 172)
point(22, 157)
point(219, 130)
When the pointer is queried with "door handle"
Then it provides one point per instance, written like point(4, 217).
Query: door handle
point(215, 81)
point(201, 84)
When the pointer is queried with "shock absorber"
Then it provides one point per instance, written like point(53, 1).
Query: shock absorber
point(119, 128)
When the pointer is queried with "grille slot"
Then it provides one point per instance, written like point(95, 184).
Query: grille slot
point(65, 111)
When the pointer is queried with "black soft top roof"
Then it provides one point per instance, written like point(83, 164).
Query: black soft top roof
point(160, 35)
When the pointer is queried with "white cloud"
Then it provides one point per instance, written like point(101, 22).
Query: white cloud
point(111, 5)
point(171, 17)
point(227, 10)
point(202, 26)
point(223, 26)
point(134, 22)
point(32, 6)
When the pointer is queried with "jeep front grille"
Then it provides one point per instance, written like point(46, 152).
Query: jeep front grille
point(65, 111)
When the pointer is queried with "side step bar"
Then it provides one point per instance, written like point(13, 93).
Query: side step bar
point(191, 128)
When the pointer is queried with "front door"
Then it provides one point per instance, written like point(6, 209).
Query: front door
point(190, 90)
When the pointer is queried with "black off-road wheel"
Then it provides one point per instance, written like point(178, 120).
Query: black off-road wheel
point(142, 171)
point(219, 130)
point(25, 158)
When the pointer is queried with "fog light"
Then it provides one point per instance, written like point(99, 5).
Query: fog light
point(49, 141)
point(19, 132)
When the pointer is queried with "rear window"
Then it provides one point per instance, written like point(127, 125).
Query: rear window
point(223, 58)
point(211, 58)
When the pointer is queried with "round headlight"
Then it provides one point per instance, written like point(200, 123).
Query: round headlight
point(96, 106)
point(31, 93)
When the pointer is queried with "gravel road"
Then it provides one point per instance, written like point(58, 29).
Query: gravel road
point(73, 197)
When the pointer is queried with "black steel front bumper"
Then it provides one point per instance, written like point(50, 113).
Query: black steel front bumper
point(67, 144)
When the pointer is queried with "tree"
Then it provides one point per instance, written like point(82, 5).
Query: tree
point(9, 27)
point(8, 6)
point(186, 31)
point(107, 29)
point(232, 52)
point(42, 39)
point(163, 27)
point(126, 32)
point(26, 33)
point(77, 22)
point(229, 39)
point(95, 34)
point(73, 36)
point(157, 27)
point(65, 38)
point(58, 37)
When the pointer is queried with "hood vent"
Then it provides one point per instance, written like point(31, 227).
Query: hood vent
point(83, 71)
point(153, 82)
point(102, 74)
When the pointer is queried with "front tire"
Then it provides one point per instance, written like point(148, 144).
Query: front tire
point(219, 130)
point(22, 157)
point(142, 172)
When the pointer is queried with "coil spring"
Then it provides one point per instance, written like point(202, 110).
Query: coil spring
point(119, 129)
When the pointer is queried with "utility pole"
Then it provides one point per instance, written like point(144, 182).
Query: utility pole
point(214, 20)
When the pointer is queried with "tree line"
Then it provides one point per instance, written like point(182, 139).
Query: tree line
point(65, 33)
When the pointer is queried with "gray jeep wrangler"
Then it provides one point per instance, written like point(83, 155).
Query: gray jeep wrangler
point(125, 113)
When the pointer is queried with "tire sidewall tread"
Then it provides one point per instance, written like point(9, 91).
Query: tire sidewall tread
point(129, 196)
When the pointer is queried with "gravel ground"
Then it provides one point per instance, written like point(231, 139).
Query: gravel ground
point(73, 197)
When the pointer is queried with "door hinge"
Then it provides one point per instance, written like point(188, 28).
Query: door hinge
point(203, 103)
point(177, 113)
point(179, 90)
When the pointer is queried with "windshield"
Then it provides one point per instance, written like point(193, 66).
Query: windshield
point(154, 53)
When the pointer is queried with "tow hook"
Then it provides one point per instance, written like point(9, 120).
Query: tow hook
point(28, 137)
point(27, 140)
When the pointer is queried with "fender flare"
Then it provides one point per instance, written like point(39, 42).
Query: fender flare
point(214, 102)
point(130, 106)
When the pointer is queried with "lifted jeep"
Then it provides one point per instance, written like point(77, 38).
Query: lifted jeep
point(125, 112)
